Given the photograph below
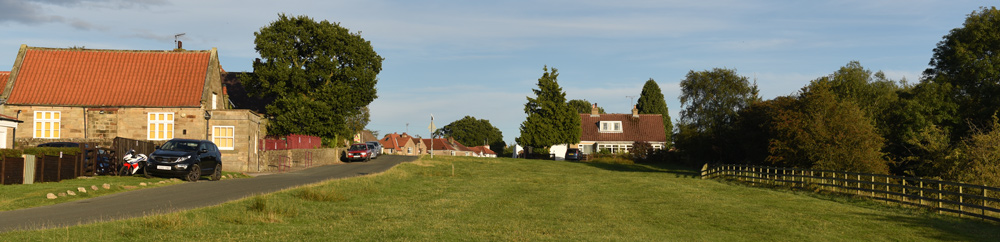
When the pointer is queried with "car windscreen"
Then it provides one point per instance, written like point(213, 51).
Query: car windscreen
point(180, 146)
point(359, 147)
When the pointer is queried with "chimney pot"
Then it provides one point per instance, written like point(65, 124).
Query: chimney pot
point(593, 111)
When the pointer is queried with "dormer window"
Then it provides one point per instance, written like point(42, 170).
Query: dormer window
point(611, 126)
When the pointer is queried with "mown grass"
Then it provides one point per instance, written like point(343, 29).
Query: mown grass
point(531, 200)
point(20, 196)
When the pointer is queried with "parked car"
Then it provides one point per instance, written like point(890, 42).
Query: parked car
point(186, 158)
point(361, 152)
point(378, 147)
point(573, 154)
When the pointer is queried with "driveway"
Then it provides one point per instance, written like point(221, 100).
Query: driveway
point(181, 197)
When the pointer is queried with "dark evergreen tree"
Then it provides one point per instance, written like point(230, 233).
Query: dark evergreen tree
point(651, 102)
point(550, 119)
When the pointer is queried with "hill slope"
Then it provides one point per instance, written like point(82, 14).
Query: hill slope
point(513, 199)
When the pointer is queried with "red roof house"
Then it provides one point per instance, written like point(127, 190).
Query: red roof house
point(89, 95)
point(617, 132)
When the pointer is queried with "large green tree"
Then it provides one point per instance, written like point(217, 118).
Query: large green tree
point(968, 58)
point(474, 132)
point(651, 101)
point(711, 102)
point(319, 74)
point(583, 106)
point(550, 119)
point(818, 131)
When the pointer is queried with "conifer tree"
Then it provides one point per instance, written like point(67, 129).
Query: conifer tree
point(651, 102)
point(550, 120)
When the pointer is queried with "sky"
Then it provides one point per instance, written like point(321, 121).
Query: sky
point(452, 59)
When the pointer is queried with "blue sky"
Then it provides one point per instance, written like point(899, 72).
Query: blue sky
point(482, 58)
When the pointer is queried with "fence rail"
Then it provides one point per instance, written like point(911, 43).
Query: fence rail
point(957, 198)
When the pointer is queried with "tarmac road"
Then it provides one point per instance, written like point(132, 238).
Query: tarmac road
point(181, 197)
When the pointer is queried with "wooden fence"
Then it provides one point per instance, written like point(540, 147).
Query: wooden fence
point(957, 198)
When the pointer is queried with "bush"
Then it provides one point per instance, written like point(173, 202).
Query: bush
point(11, 153)
point(51, 151)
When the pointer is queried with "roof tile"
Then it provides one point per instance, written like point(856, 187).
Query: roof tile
point(111, 78)
point(645, 127)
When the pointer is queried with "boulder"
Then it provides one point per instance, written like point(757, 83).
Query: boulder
point(50, 196)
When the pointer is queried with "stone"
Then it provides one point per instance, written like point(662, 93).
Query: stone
point(50, 196)
point(62, 194)
point(94, 187)
point(71, 193)
point(106, 186)
point(143, 184)
point(129, 187)
point(81, 189)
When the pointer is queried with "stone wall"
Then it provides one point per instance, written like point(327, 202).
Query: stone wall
point(326, 156)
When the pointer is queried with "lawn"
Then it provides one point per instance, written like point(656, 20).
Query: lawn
point(20, 196)
point(454, 198)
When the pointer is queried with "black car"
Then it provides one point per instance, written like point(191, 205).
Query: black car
point(573, 154)
point(187, 158)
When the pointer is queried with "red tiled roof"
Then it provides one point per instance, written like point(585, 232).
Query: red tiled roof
point(75, 77)
point(3, 79)
point(482, 149)
point(646, 127)
point(439, 144)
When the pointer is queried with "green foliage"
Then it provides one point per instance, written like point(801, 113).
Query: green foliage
point(320, 76)
point(820, 132)
point(50, 151)
point(11, 153)
point(651, 101)
point(977, 158)
point(550, 120)
point(583, 106)
point(711, 101)
point(968, 58)
point(470, 131)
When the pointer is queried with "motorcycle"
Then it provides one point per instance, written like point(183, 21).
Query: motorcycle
point(132, 163)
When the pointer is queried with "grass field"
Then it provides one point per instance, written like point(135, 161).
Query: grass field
point(532, 200)
point(25, 196)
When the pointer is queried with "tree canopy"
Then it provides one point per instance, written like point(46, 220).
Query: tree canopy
point(711, 101)
point(968, 58)
point(319, 74)
point(550, 119)
point(470, 131)
point(651, 101)
point(583, 106)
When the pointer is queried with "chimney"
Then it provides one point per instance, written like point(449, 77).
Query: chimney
point(635, 112)
point(593, 111)
point(180, 45)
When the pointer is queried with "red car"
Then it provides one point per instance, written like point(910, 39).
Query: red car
point(360, 152)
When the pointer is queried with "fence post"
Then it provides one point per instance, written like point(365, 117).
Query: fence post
point(983, 210)
point(859, 184)
point(961, 202)
point(939, 196)
point(921, 192)
point(873, 185)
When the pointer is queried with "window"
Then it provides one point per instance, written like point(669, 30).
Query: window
point(215, 101)
point(47, 124)
point(615, 148)
point(409, 150)
point(223, 137)
point(161, 126)
point(611, 126)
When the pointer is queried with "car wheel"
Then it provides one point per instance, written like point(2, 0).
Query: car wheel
point(195, 173)
point(145, 172)
point(217, 174)
point(367, 159)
